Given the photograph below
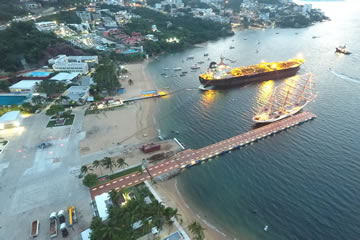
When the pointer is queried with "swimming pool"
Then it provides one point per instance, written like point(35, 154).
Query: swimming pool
point(9, 100)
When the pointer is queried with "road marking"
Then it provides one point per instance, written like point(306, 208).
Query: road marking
point(172, 161)
point(156, 166)
point(129, 183)
point(127, 177)
point(148, 177)
point(165, 170)
point(117, 188)
point(159, 172)
point(121, 179)
point(150, 169)
point(93, 189)
point(101, 186)
point(176, 165)
point(123, 186)
point(167, 163)
point(133, 175)
point(136, 181)
point(170, 168)
point(107, 184)
point(161, 165)
point(115, 181)
point(142, 179)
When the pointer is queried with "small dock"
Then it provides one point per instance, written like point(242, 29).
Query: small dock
point(190, 157)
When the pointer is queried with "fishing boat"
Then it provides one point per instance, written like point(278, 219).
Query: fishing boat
point(177, 69)
point(190, 57)
point(287, 99)
point(200, 62)
point(342, 49)
point(195, 66)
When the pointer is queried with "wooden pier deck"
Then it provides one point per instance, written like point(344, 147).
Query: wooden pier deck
point(191, 157)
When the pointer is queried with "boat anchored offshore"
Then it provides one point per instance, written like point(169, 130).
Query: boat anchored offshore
point(195, 66)
point(342, 49)
point(222, 75)
point(287, 99)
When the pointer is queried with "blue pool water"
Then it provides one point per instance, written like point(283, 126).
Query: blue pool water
point(9, 100)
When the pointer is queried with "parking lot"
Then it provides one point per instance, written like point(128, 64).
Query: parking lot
point(35, 182)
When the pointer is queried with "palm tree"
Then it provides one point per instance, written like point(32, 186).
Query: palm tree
point(121, 163)
point(97, 164)
point(197, 230)
point(85, 169)
point(107, 163)
point(114, 196)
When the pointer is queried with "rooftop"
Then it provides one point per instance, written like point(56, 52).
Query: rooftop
point(25, 84)
point(173, 236)
point(64, 76)
point(10, 116)
point(102, 206)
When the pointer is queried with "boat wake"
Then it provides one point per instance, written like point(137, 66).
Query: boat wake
point(345, 77)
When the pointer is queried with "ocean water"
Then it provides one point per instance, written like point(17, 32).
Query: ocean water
point(304, 182)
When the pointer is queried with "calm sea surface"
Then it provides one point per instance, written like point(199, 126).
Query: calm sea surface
point(304, 182)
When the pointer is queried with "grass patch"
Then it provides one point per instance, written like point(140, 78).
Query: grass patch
point(68, 121)
point(123, 173)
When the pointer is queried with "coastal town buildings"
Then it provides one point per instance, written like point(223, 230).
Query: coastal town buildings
point(80, 64)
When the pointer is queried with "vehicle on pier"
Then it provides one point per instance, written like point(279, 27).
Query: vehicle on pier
point(287, 99)
point(62, 222)
point(35, 228)
point(53, 225)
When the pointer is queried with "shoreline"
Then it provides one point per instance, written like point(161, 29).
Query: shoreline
point(169, 192)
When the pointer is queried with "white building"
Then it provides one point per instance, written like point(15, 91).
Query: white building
point(10, 120)
point(80, 64)
point(24, 86)
point(46, 26)
point(65, 77)
point(102, 202)
point(71, 67)
point(78, 94)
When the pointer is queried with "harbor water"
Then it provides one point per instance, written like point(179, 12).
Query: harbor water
point(304, 182)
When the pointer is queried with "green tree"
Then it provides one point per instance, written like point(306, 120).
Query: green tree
point(51, 87)
point(97, 164)
point(120, 162)
point(85, 169)
point(55, 110)
point(105, 76)
point(108, 163)
point(90, 180)
point(197, 230)
point(38, 100)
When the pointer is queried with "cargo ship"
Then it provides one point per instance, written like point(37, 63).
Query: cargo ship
point(287, 99)
point(222, 75)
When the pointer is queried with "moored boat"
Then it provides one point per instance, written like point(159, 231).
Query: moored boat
point(195, 66)
point(177, 69)
point(287, 99)
point(222, 75)
point(342, 49)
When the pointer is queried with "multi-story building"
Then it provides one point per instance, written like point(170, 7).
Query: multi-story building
point(46, 26)
point(80, 64)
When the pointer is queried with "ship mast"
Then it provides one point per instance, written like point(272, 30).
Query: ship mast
point(303, 90)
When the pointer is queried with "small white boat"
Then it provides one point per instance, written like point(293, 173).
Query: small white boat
point(266, 228)
point(195, 66)
point(166, 68)
point(177, 69)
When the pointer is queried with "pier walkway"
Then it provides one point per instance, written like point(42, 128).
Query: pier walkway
point(191, 157)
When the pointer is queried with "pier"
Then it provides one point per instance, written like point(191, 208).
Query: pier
point(190, 157)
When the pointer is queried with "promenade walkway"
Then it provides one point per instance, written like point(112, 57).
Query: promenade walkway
point(190, 157)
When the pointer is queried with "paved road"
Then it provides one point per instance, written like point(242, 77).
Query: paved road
point(191, 156)
point(36, 182)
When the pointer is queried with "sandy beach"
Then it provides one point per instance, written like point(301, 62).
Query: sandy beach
point(170, 194)
point(130, 124)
